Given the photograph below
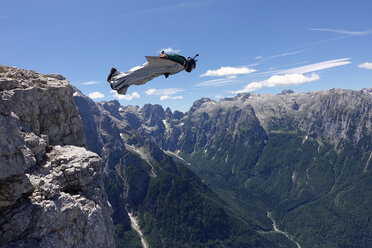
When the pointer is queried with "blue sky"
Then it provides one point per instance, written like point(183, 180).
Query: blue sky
point(261, 46)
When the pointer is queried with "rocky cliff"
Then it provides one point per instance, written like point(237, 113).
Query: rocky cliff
point(51, 190)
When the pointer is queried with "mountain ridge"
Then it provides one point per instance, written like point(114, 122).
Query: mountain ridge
point(270, 153)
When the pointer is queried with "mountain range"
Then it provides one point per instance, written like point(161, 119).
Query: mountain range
point(286, 170)
point(300, 161)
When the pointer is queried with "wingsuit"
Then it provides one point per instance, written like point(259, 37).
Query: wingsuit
point(165, 64)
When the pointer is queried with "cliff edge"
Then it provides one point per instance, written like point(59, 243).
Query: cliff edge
point(51, 190)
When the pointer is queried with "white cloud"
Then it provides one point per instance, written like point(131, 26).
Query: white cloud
point(170, 91)
point(170, 50)
point(296, 70)
point(341, 31)
point(228, 71)
point(166, 97)
point(165, 94)
point(126, 97)
point(218, 96)
point(284, 54)
point(279, 80)
point(216, 82)
point(317, 66)
point(366, 65)
point(96, 95)
point(90, 83)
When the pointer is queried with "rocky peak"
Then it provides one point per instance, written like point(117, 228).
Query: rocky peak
point(150, 110)
point(152, 114)
point(201, 102)
point(286, 92)
point(242, 97)
point(113, 107)
point(334, 114)
point(168, 113)
point(178, 115)
point(339, 115)
point(13, 78)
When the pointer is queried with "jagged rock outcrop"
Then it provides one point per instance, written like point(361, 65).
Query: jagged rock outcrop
point(51, 191)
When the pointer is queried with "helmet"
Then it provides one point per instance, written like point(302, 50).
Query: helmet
point(191, 63)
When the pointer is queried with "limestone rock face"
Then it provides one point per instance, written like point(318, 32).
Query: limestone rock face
point(51, 190)
point(43, 103)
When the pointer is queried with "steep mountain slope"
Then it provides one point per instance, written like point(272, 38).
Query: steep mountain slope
point(173, 206)
point(318, 147)
point(51, 189)
point(303, 157)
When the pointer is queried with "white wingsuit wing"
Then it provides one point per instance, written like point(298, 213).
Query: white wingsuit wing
point(154, 67)
point(156, 61)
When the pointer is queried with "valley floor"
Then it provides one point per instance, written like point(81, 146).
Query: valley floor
point(276, 229)
point(134, 224)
